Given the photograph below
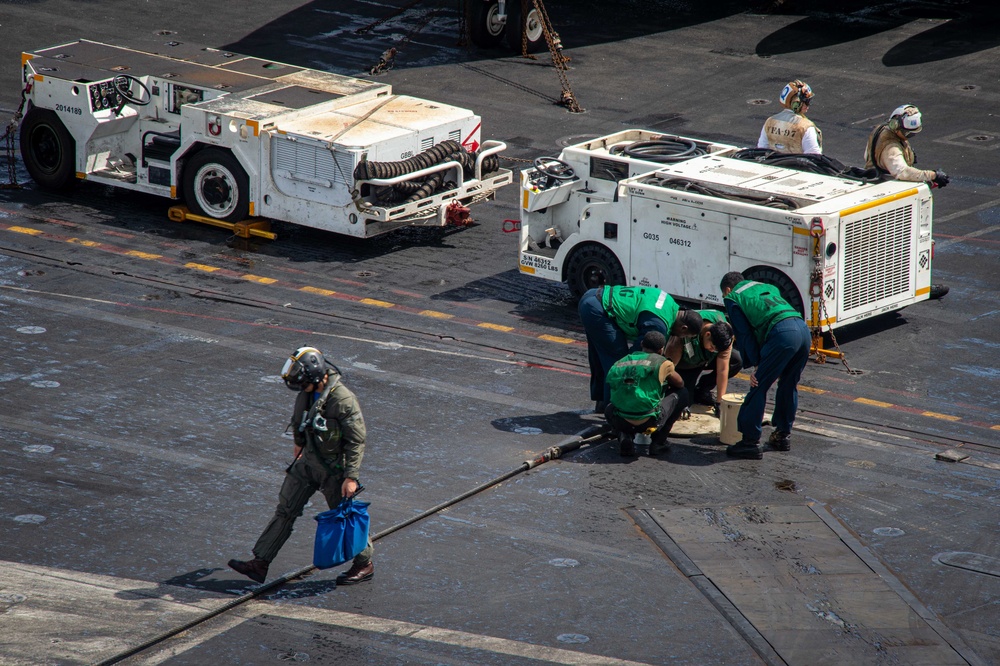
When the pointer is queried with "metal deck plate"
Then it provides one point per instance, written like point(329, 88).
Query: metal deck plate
point(702, 422)
point(789, 582)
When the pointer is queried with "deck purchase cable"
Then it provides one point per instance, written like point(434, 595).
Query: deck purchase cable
point(589, 435)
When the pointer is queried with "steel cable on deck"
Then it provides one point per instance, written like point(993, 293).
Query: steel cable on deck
point(589, 435)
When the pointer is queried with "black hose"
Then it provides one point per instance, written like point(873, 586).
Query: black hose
point(808, 162)
point(421, 188)
point(589, 435)
point(745, 196)
point(368, 170)
point(665, 150)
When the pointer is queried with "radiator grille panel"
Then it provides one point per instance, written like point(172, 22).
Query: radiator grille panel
point(311, 162)
point(877, 252)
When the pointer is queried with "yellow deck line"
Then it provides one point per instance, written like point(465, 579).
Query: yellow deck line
point(873, 403)
point(25, 230)
point(317, 290)
point(556, 338)
point(946, 417)
point(495, 327)
point(202, 267)
point(436, 314)
point(377, 303)
point(259, 279)
point(143, 255)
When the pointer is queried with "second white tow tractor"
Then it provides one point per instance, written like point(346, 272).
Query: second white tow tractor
point(642, 208)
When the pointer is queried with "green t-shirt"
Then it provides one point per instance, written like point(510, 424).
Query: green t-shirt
point(635, 384)
point(763, 306)
point(625, 304)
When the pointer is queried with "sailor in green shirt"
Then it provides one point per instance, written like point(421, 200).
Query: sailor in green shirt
point(707, 360)
point(615, 318)
point(646, 393)
point(773, 339)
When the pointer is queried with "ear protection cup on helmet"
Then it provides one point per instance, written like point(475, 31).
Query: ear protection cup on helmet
point(795, 95)
point(905, 118)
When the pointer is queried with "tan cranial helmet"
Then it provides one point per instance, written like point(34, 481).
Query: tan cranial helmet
point(905, 119)
point(795, 95)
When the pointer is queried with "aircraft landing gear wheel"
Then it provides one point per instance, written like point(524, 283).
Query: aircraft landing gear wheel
point(485, 26)
point(48, 150)
point(781, 281)
point(592, 266)
point(215, 185)
point(521, 24)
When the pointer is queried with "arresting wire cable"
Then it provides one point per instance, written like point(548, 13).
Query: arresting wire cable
point(590, 435)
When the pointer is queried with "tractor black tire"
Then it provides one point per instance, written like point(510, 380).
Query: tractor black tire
point(485, 31)
point(216, 186)
point(786, 287)
point(48, 150)
point(591, 266)
point(521, 21)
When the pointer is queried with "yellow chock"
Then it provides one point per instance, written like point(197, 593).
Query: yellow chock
point(820, 351)
point(253, 227)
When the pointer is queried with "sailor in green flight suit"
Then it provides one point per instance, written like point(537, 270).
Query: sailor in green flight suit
point(645, 393)
point(329, 433)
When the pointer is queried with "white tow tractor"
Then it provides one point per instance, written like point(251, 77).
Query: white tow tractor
point(237, 136)
point(641, 208)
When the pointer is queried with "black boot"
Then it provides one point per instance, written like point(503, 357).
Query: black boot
point(255, 569)
point(626, 446)
point(780, 441)
point(750, 450)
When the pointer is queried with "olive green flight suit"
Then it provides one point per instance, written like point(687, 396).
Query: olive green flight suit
point(333, 444)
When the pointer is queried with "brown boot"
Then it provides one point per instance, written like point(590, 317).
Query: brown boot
point(358, 573)
point(255, 569)
point(780, 441)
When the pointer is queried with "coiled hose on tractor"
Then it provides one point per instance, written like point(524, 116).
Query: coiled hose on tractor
point(665, 150)
point(421, 188)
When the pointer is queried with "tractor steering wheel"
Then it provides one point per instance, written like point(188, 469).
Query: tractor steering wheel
point(553, 168)
point(123, 86)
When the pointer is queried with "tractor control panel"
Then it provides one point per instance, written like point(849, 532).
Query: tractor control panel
point(104, 96)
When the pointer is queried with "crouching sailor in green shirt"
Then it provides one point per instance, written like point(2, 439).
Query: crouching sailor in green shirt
point(646, 392)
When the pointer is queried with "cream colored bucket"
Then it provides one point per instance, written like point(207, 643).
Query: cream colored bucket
point(729, 410)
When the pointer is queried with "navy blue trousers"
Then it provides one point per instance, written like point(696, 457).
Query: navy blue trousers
point(782, 359)
point(606, 343)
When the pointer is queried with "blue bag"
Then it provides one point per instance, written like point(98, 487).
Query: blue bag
point(341, 533)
